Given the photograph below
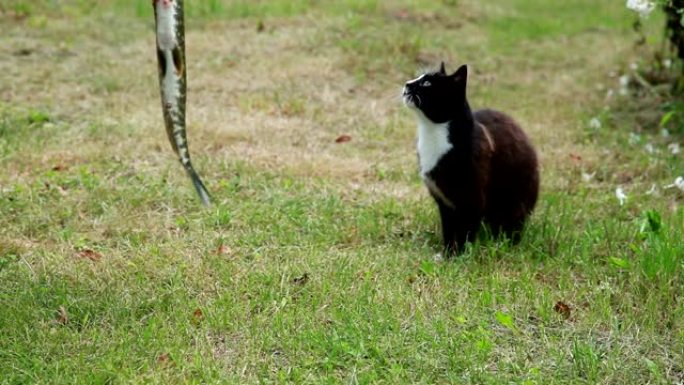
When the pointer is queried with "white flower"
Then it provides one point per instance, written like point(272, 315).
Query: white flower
point(605, 286)
point(624, 84)
point(586, 177)
point(649, 148)
point(595, 124)
point(674, 148)
point(634, 138)
point(678, 183)
point(620, 195)
point(609, 94)
point(667, 63)
point(624, 81)
point(643, 7)
point(664, 133)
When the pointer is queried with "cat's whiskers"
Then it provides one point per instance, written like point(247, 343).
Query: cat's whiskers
point(392, 96)
point(418, 101)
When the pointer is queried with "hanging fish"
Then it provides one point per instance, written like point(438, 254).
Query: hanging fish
point(170, 31)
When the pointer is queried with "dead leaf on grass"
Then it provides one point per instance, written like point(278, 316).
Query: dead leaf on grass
point(402, 14)
point(224, 250)
point(62, 191)
point(301, 280)
point(62, 316)
point(197, 315)
point(343, 139)
point(90, 254)
point(563, 309)
point(164, 358)
point(23, 52)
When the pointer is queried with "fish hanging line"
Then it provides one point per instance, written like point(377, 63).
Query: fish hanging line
point(169, 16)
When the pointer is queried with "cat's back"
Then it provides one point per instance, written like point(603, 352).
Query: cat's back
point(503, 129)
point(512, 145)
point(514, 166)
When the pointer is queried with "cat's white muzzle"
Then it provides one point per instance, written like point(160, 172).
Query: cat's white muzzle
point(409, 99)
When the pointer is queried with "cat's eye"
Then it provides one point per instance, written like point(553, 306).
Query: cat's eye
point(425, 83)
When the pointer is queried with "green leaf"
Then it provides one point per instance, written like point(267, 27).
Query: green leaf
point(427, 267)
point(653, 368)
point(38, 117)
point(506, 320)
point(666, 118)
point(619, 262)
point(652, 222)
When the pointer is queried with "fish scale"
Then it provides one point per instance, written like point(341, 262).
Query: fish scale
point(170, 38)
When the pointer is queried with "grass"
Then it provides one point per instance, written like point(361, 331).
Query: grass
point(315, 265)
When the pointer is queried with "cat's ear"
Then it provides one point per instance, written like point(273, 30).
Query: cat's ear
point(460, 78)
point(442, 69)
point(461, 74)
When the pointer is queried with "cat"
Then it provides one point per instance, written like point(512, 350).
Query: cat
point(479, 166)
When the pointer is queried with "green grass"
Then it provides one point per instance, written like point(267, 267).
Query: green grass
point(315, 264)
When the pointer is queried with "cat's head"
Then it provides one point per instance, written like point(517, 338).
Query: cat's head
point(437, 94)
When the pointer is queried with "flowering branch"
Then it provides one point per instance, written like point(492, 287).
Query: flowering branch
point(642, 7)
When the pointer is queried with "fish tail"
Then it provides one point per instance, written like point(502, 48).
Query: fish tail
point(197, 182)
point(184, 157)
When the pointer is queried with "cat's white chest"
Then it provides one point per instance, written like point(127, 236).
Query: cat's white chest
point(433, 144)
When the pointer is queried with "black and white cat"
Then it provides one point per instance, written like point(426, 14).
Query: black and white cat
point(478, 166)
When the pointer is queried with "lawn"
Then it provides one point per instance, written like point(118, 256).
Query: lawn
point(315, 264)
